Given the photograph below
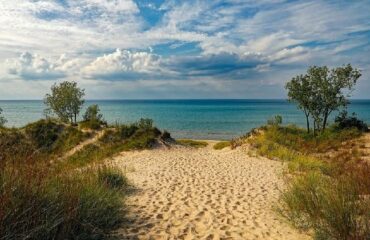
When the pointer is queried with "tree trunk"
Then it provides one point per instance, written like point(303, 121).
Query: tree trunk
point(325, 120)
point(75, 118)
point(307, 123)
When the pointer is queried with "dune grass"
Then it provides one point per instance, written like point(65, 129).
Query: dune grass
point(221, 145)
point(326, 192)
point(38, 204)
point(71, 199)
point(192, 143)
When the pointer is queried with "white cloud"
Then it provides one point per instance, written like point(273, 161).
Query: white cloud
point(34, 67)
point(123, 61)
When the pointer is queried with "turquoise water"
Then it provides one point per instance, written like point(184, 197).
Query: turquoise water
point(200, 119)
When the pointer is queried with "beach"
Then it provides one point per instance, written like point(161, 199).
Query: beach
point(187, 193)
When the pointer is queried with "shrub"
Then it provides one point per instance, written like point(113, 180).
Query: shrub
point(145, 123)
point(332, 207)
point(221, 145)
point(192, 143)
point(126, 131)
point(166, 136)
point(44, 133)
point(344, 121)
point(92, 118)
point(276, 120)
point(2, 118)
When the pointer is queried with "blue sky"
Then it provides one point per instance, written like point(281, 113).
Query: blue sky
point(140, 49)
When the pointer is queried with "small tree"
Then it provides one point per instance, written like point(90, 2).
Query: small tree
point(299, 90)
point(2, 118)
point(321, 91)
point(65, 100)
point(93, 114)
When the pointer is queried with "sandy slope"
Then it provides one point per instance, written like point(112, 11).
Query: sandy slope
point(185, 193)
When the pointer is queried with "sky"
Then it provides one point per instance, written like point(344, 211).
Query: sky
point(168, 49)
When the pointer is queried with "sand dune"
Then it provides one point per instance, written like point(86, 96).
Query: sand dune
point(185, 193)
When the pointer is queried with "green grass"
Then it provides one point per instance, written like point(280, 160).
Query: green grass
point(71, 199)
point(325, 191)
point(221, 145)
point(192, 143)
point(37, 204)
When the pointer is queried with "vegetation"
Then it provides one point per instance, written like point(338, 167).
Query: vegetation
point(276, 120)
point(221, 145)
point(2, 118)
point(343, 121)
point(92, 118)
point(192, 143)
point(38, 204)
point(136, 136)
point(321, 91)
point(328, 180)
point(65, 100)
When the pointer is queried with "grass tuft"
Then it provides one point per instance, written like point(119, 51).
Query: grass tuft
point(221, 145)
point(192, 143)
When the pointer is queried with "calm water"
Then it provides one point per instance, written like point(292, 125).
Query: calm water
point(201, 119)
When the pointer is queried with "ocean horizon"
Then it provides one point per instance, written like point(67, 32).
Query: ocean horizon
point(219, 119)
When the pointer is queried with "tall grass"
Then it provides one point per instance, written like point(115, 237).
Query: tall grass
point(38, 204)
point(328, 193)
point(40, 200)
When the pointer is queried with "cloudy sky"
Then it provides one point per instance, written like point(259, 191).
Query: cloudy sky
point(124, 49)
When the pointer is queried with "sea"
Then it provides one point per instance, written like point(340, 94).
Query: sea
point(217, 119)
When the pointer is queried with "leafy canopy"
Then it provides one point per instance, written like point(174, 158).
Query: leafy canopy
point(65, 100)
point(321, 91)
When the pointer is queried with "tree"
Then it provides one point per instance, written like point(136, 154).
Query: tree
point(321, 91)
point(93, 114)
point(299, 90)
point(65, 100)
point(2, 118)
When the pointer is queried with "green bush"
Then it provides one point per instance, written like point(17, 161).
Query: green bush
point(276, 120)
point(221, 145)
point(343, 121)
point(44, 133)
point(192, 143)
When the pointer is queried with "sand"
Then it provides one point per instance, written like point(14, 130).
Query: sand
point(187, 193)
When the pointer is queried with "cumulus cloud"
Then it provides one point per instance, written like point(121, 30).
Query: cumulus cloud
point(203, 43)
point(124, 65)
point(34, 67)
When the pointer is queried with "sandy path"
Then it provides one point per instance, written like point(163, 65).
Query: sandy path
point(202, 194)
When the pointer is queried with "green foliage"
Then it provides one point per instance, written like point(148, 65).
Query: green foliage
point(343, 121)
point(192, 143)
point(52, 137)
point(321, 91)
point(145, 123)
point(37, 204)
point(221, 145)
point(325, 192)
point(122, 138)
point(2, 118)
point(44, 133)
point(166, 136)
point(92, 118)
point(65, 100)
point(276, 120)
